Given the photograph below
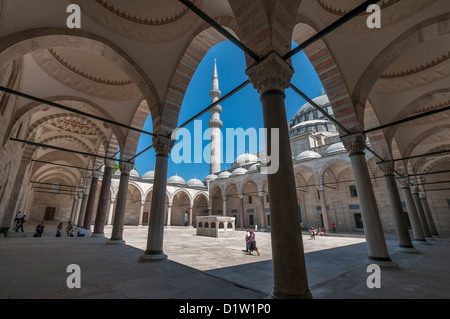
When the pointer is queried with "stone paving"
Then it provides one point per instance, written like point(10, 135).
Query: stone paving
point(209, 268)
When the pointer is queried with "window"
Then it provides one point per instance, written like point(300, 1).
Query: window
point(49, 213)
point(250, 220)
point(358, 221)
point(353, 192)
point(250, 200)
point(267, 198)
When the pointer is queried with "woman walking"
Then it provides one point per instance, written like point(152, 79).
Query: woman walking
point(252, 241)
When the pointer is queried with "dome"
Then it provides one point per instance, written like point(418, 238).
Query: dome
point(176, 180)
point(195, 182)
point(307, 155)
point(320, 100)
point(117, 173)
point(246, 159)
point(210, 177)
point(335, 148)
point(253, 168)
point(149, 175)
point(225, 174)
point(239, 171)
point(134, 173)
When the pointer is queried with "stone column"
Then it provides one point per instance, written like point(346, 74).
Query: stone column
point(154, 251)
point(190, 215)
point(418, 234)
point(91, 201)
point(262, 213)
point(119, 213)
point(77, 209)
point(241, 211)
point(224, 206)
point(112, 201)
point(426, 208)
point(421, 212)
point(169, 214)
point(102, 207)
point(323, 205)
point(271, 77)
point(373, 230)
point(74, 207)
point(401, 226)
point(83, 205)
point(141, 213)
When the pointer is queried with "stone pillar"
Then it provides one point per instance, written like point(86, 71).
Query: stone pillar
point(77, 209)
point(262, 213)
point(426, 208)
point(271, 77)
point(83, 204)
point(91, 201)
point(74, 207)
point(418, 234)
point(190, 215)
point(373, 230)
point(119, 213)
point(401, 226)
point(169, 214)
point(141, 213)
point(241, 211)
point(323, 205)
point(420, 212)
point(154, 251)
point(102, 207)
point(224, 206)
point(112, 201)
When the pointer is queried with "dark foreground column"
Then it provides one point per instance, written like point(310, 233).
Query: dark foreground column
point(323, 205)
point(102, 207)
point(119, 214)
point(373, 230)
point(401, 226)
point(271, 77)
point(91, 202)
point(154, 251)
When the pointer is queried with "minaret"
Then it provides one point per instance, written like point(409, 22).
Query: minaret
point(215, 124)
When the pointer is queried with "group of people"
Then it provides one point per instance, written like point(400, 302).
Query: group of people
point(250, 241)
point(320, 231)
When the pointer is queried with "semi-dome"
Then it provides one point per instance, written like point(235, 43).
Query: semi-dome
point(195, 182)
point(307, 155)
point(335, 148)
point(246, 159)
point(239, 171)
point(176, 180)
point(225, 174)
point(149, 175)
point(210, 177)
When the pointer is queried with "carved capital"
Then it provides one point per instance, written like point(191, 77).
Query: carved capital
point(271, 74)
point(95, 174)
point(354, 144)
point(163, 145)
point(109, 163)
point(125, 168)
point(403, 181)
point(414, 189)
point(387, 168)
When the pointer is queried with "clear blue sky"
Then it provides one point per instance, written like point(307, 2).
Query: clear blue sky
point(242, 110)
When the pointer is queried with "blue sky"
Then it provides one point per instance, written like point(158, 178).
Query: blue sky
point(242, 110)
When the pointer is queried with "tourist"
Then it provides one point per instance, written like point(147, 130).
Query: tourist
point(252, 241)
point(58, 230)
point(333, 225)
point(20, 221)
point(81, 232)
point(312, 233)
point(247, 243)
point(40, 229)
point(69, 229)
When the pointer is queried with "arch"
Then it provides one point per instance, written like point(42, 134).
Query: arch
point(422, 136)
point(181, 203)
point(216, 200)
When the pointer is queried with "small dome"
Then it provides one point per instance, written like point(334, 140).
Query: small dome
point(307, 155)
point(210, 177)
point(246, 159)
point(134, 173)
point(195, 182)
point(149, 175)
point(335, 148)
point(117, 173)
point(225, 174)
point(239, 171)
point(176, 180)
point(253, 168)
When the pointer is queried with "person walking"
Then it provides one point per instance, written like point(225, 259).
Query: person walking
point(333, 226)
point(252, 241)
point(20, 221)
point(247, 243)
point(58, 230)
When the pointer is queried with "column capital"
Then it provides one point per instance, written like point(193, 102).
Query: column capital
point(423, 195)
point(95, 174)
point(163, 145)
point(387, 167)
point(403, 181)
point(109, 163)
point(125, 168)
point(271, 74)
point(414, 189)
point(355, 143)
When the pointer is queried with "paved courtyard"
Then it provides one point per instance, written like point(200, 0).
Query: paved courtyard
point(209, 268)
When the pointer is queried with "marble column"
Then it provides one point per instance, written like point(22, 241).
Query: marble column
point(169, 214)
point(141, 213)
point(190, 215)
point(426, 208)
point(241, 211)
point(401, 226)
point(271, 77)
point(418, 234)
point(119, 213)
point(376, 244)
point(421, 212)
point(74, 207)
point(262, 213)
point(77, 209)
point(83, 205)
point(323, 205)
point(224, 206)
point(91, 201)
point(102, 207)
point(154, 251)
point(112, 202)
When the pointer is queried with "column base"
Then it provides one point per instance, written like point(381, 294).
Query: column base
point(407, 250)
point(384, 264)
point(430, 238)
point(98, 235)
point(153, 256)
point(421, 242)
point(276, 294)
point(115, 242)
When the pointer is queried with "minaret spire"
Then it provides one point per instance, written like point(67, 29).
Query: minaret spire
point(215, 124)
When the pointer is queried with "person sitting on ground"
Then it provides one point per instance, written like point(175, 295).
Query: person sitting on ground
point(40, 229)
point(81, 232)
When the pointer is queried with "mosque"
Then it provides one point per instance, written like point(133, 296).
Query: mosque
point(371, 155)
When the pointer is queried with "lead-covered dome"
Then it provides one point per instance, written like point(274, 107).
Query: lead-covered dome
point(245, 159)
point(149, 175)
point(210, 177)
point(335, 148)
point(307, 155)
point(195, 182)
point(176, 180)
point(225, 174)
